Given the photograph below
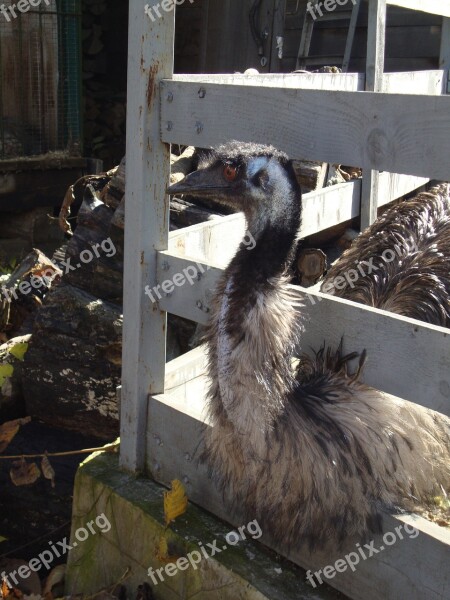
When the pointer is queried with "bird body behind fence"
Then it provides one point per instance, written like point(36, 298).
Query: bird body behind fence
point(409, 250)
point(312, 453)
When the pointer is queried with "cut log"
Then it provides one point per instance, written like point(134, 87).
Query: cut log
point(72, 367)
point(311, 265)
point(95, 251)
point(74, 197)
point(112, 194)
point(182, 165)
point(310, 175)
point(24, 290)
point(184, 214)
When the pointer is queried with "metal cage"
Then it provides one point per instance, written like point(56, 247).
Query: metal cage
point(40, 79)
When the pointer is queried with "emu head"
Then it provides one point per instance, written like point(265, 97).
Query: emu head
point(255, 179)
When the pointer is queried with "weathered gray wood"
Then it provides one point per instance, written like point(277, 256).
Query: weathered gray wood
point(392, 186)
point(309, 81)
point(412, 567)
point(435, 7)
point(414, 82)
point(444, 58)
point(305, 41)
point(351, 36)
point(322, 209)
point(376, 40)
point(408, 82)
point(150, 58)
point(387, 132)
point(396, 346)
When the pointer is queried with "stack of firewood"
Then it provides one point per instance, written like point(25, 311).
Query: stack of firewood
point(73, 364)
point(104, 100)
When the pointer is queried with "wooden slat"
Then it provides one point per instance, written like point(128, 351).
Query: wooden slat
point(414, 82)
point(435, 7)
point(408, 82)
point(389, 132)
point(348, 82)
point(392, 186)
point(351, 36)
point(407, 358)
point(150, 57)
point(414, 567)
point(322, 209)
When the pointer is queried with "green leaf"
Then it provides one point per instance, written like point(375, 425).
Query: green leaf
point(19, 350)
point(5, 371)
point(3, 539)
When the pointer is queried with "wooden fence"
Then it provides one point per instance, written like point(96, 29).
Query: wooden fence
point(400, 124)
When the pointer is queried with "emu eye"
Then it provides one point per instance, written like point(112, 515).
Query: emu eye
point(230, 172)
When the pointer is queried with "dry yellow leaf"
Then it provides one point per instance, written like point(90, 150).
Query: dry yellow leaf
point(175, 501)
point(47, 470)
point(9, 429)
point(4, 589)
point(162, 553)
point(23, 473)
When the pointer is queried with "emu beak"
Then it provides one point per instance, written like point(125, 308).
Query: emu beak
point(199, 183)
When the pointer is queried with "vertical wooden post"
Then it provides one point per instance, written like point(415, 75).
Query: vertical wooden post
point(376, 39)
point(444, 58)
point(279, 7)
point(150, 59)
point(351, 36)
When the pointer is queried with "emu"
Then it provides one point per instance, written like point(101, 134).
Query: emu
point(311, 452)
point(416, 283)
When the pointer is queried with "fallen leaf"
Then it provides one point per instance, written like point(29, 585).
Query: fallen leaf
point(175, 501)
point(55, 576)
point(163, 553)
point(19, 350)
point(4, 589)
point(9, 429)
point(5, 371)
point(47, 470)
point(23, 473)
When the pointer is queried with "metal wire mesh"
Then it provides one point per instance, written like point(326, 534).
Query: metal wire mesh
point(40, 78)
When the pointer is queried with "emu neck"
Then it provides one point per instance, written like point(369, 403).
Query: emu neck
point(257, 329)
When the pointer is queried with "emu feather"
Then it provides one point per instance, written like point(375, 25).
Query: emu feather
point(415, 284)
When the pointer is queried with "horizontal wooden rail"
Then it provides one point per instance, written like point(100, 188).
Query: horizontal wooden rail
point(388, 132)
point(408, 82)
point(322, 209)
point(434, 7)
point(402, 570)
point(406, 358)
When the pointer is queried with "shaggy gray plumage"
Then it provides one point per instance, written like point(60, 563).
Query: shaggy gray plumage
point(313, 454)
point(416, 283)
